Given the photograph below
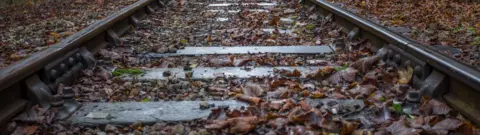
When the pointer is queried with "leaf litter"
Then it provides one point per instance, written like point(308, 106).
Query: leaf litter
point(327, 102)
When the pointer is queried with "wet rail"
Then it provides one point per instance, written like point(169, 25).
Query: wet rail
point(35, 80)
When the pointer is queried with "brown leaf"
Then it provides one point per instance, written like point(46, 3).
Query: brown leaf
point(216, 89)
point(241, 127)
point(389, 77)
point(298, 115)
point(277, 123)
point(242, 61)
point(443, 127)
point(421, 121)
point(448, 124)
point(100, 2)
point(339, 95)
point(435, 107)
point(277, 83)
point(29, 130)
point(348, 128)
point(243, 124)
point(219, 62)
point(362, 132)
point(276, 105)
point(467, 129)
point(249, 99)
point(218, 114)
point(275, 20)
point(400, 128)
point(317, 94)
point(288, 105)
point(370, 78)
point(288, 73)
point(252, 89)
point(363, 90)
point(217, 124)
point(364, 64)
point(304, 105)
point(344, 75)
point(320, 73)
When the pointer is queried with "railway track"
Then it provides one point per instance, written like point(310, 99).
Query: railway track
point(256, 66)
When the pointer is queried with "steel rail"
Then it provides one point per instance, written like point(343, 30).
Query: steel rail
point(457, 83)
point(463, 81)
point(13, 92)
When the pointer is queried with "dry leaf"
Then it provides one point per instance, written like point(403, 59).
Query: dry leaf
point(364, 64)
point(405, 75)
point(317, 94)
point(252, 89)
point(275, 21)
point(100, 2)
point(248, 99)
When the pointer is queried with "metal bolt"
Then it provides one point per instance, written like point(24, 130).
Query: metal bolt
point(418, 71)
point(413, 97)
point(56, 101)
point(407, 63)
point(390, 54)
point(78, 57)
point(398, 58)
point(68, 93)
point(71, 61)
point(53, 73)
point(63, 67)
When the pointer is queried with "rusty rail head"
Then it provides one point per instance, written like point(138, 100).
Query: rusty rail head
point(24, 68)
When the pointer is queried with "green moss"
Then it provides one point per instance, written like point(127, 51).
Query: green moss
point(476, 41)
point(397, 108)
point(310, 26)
point(341, 68)
point(131, 71)
point(184, 41)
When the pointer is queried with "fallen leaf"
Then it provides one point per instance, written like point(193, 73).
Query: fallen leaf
point(30, 130)
point(277, 123)
point(248, 99)
point(363, 90)
point(348, 128)
point(317, 94)
point(348, 75)
point(400, 128)
point(322, 72)
point(405, 75)
point(364, 64)
point(100, 2)
point(288, 73)
point(435, 107)
point(298, 115)
point(443, 127)
point(252, 89)
point(217, 62)
point(274, 21)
